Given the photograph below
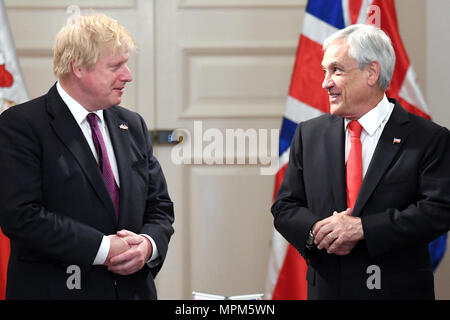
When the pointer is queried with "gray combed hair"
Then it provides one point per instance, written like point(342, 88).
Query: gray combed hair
point(368, 43)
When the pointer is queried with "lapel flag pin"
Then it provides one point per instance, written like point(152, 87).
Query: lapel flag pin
point(123, 126)
point(396, 140)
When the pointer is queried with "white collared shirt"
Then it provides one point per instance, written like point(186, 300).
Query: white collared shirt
point(80, 114)
point(373, 123)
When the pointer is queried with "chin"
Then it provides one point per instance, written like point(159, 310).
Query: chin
point(335, 110)
point(116, 102)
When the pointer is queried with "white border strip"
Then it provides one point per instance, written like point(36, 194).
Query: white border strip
point(284, 158)
point(298, 111)
point(410, 91)
point(276, 260)
point(316, 29)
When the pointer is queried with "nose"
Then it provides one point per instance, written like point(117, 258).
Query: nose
point(327, 82)
point(126, 75)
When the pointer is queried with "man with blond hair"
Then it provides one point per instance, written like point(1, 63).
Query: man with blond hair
point(82, 198)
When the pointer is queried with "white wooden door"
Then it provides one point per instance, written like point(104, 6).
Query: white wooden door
point(221, 66)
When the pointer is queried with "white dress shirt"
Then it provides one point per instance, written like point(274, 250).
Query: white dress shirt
point(80, 114)
point(373, 123)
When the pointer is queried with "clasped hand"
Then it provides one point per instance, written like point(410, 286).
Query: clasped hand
point(128, 252)
point(339, 233)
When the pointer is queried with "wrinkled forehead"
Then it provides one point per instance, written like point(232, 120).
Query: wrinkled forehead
point(337, 52)
point(110, 57)
point(114, 51)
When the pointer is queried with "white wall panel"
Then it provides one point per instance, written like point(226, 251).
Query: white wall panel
point(235, 82)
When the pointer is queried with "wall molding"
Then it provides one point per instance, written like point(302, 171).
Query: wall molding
point(239, 108)
point(34, 52)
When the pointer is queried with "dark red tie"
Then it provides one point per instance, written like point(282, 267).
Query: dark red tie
point(103, 161)
point(354, 163)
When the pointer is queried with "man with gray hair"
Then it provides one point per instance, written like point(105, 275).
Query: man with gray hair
point(366, 187)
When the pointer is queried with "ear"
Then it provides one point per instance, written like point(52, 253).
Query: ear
point(373, 68)
point(76, 70)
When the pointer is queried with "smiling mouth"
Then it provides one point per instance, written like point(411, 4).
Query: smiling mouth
point(333, 96)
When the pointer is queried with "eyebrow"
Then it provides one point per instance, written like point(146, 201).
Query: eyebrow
point(334, 64)
point(116, 63)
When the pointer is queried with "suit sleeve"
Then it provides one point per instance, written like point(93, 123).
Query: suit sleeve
point(423, 220)
point(23, 217)
point(292, 218)
point(159, 214)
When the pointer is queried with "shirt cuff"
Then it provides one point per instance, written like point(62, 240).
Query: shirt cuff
point(154, 259)
point(103, 251)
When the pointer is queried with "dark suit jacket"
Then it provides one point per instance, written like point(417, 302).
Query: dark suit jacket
point(55, 208)
point(404, 203)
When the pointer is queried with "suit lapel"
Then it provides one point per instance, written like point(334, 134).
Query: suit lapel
point(335, 161)
point(397, 127)
point(68, 131)
point(118, 130)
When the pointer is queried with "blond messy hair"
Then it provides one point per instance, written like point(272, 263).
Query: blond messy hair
point(85, 39)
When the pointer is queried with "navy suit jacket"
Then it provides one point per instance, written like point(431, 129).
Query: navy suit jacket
point(55, 207)
point(403, 203)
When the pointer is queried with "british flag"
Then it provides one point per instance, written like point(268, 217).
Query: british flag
point(286, 275)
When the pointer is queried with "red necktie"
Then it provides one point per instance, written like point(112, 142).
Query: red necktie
point(354, 164)
point(103, 161)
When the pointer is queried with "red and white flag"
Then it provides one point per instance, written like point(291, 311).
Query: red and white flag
point(12, 91)
point(286, 277)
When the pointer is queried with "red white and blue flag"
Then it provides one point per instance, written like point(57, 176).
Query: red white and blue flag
point(287, 270)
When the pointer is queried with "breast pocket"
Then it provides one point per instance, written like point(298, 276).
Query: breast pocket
point(394, 193)
point(390, 186)
point(61, 177)
point(402, 172)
